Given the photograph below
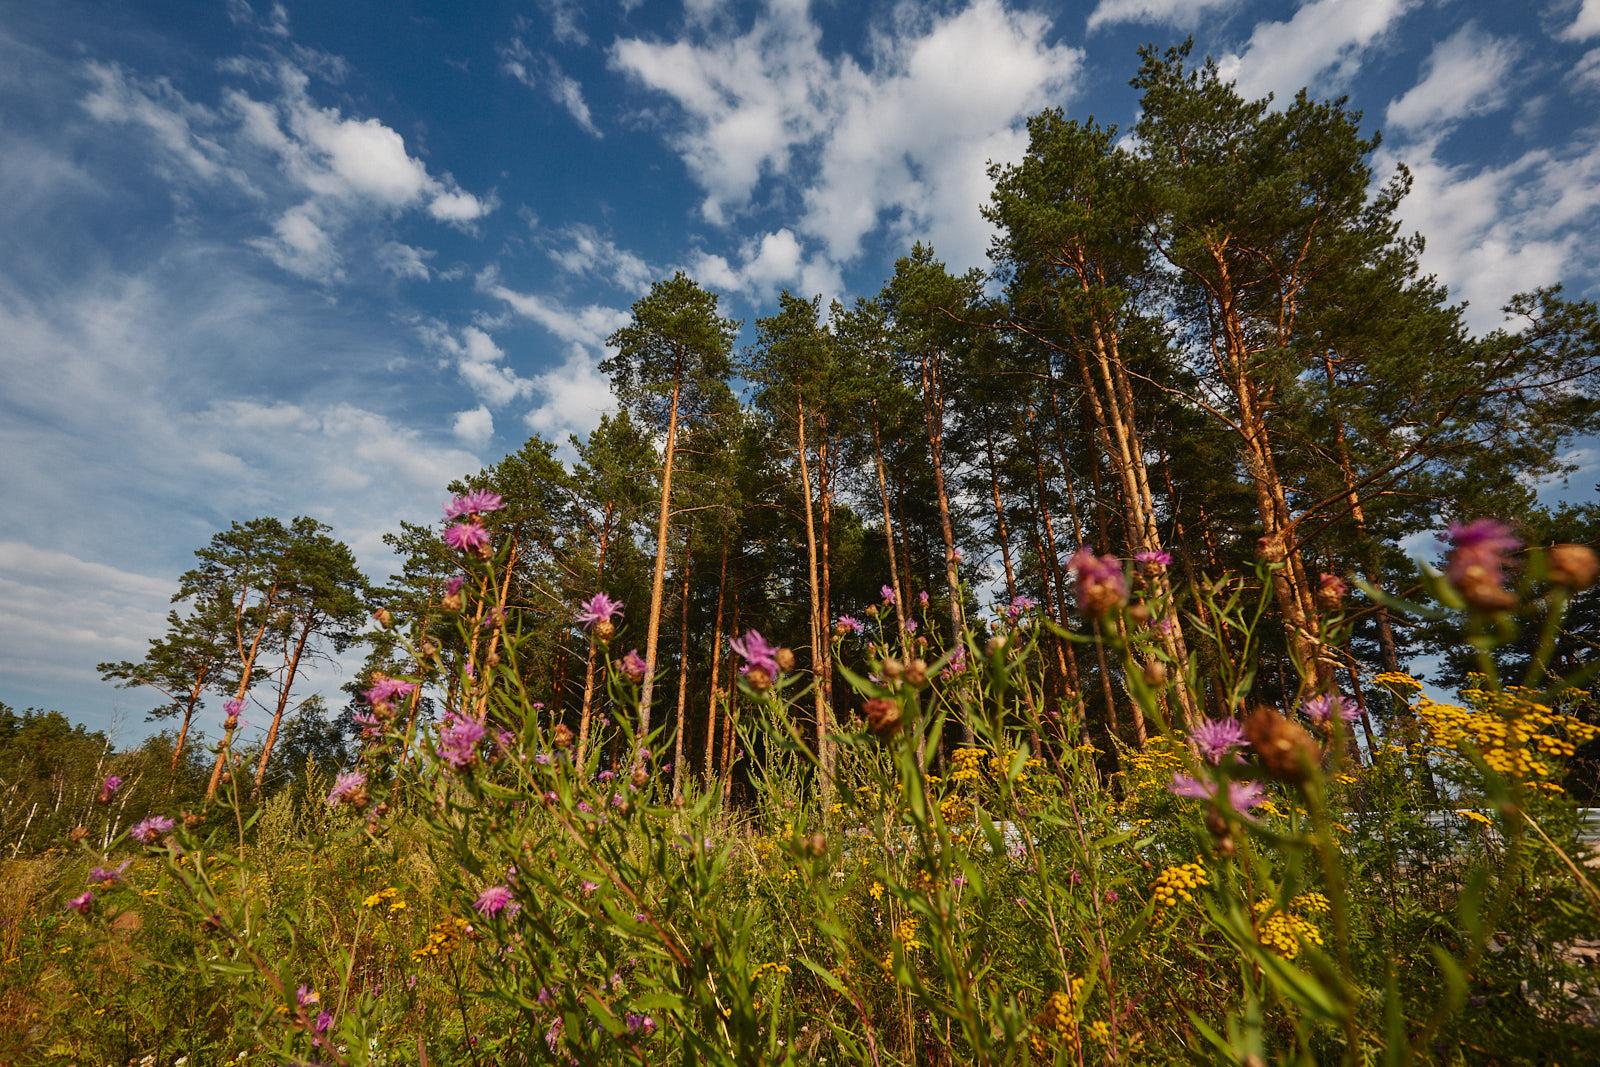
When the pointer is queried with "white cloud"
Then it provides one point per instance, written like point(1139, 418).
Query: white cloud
point(1585, 24)
point(573, 395)
point(766, 264)
point(1495, 231)
point(585, 252)
point(1325, 41)
point(905, 138)
point(588, 325)
point(473, 427)
point(542, 73)
point(175, 122)
point(1586, 75)
point(405, 261)
point(478, 359)
point(1469, 73)
point(1183, 13)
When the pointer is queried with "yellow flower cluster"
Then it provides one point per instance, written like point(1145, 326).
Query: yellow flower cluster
point(1149, 770)
point(1284, 932)
point(966, 765)
point(1057, 1021)
point(1177, 883)
point(391, 894)
point(905, 932)
point(1516, 735)
point(442, 940)
point(1476, 816)
point(1397, 680)
point(766, 969)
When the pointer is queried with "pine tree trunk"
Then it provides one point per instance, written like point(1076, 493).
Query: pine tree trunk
point(818, 662)
point(1001, 533)
point(659, 582)
point(683, 679)
point(291, 667)
point(188, 714)
point(249, 667)
point(716, 666)
point(888, 527)
point(933, 408)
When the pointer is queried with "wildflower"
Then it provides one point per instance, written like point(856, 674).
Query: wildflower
point(1020, 604)
point(606, 775)
point(453, 586)
point(1476, 566)
point(911, 626)
point(231, 710)
point(382, 692)
point(634, 668)
point(1178, 883)
point(1154, 558)
point(922, 598)
point(494, 900)
point(1242, 796)
point(349, 788)
point(887, 593)
point(1101, 584)
point(458, 740)
point(1217, 737)
point(597, 613)
point(108, 788)
point(957, 664)
point(106, 877)
point(1574, 566)
point(305, 996)
point(82, 903)
point(324, 1022)
point(848, 624)
point(760, 658)
point(641, 1025)
point(883, 716)
point(149, 831)
point(1331, 590)
point(1286, 749)
point(477, 502)
point(468, 537)
point(588, 886)
point(1322, 709)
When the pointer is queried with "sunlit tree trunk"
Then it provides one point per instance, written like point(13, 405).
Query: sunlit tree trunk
point(683, 681)
point(819, 663)
point(888, 526)
point(291, 667)
point(716, 665)
point(659, 581)
point(248, 661)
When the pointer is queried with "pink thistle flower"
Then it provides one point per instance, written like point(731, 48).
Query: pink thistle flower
point(453, 586)
point(82, 903)
point(1020, 604)
point(1215, 738)
point(467, 537)
point(1242, 796)
point(887, 593)
point(477, 502)
point(149, 831)
point(458, 740)
point(305, 996)
point(1321, 709)
point(106, 877)
point(113, 783)
point(911, 626)
point(642, 1025)
point(1154, 557)
point(922, 598)
point(386, 689)
point(849, 624)
point(349, 787)
point(597, 609)
point(233, 707)
point(756, 652)
point(324, 1021)
point(1477, 562)
point(1102, 585)
point(588, 886)
point(494, 900)
point(634, 667)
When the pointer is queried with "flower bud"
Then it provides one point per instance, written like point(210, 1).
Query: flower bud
point(641, 777)
point(996, 645)
point(1285, 748)
point(917, 672)
point(759, 678)
point(883, 716)
point(1155, 673)
point(451, 602)
point(604, 630)
point(817, 845)
point(1573, 566)
point(383, 617)
point(561, 736)
point(1139, 615)
point(784, 658)
point(893, 669)
point(1331, 590)
point(79, 834)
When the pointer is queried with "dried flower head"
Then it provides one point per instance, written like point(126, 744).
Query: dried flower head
point(1286, 750)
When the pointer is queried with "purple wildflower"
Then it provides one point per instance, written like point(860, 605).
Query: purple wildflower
point(606, 775)
point(634, 668)
point(585, 807)
point(1101, 583)
point(106, 877)
point(1217, 737)
point(149, 831)
point(1321, 709)
point(113, 783)
point(1242, 796)
point(1154, 557)
point(911, 626)
point(387, 689)
point(957, 664)
point(467, 537)
point(849, 624)
point(922, 598)
point(232, 707)
point(324, 1021)
point(453, 586)
point(1020, 604)
point(458, 740)
point(494, 900)
point(1476, 567)
point(599, 608)
point(477, 502)
point(642, 1025)
point(305, 996)
point(756, 652)
point(348, 788)
point(82, 903)
point(588, 886)
point(887, 592)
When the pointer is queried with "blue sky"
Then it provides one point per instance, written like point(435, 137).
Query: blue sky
point(321, 258)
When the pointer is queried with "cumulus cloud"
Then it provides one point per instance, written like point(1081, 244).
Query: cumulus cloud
point(1324, 41)
point(587, 325)
point(1585, 23)
point(473, 427)
point(903, 139)
point(405, 261)
point(573, 397)
point(772, 261)
point(480, 363)
point(1468, 73)
point(1182, 13)
point(1586, 75)
point(583, 251)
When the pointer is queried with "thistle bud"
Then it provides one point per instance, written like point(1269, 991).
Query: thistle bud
point(561, 736)
point(641, 777)
point(492, 660)
point(191, 820)
point(1331, 590)
point(817, 845)
point(893, 669)
point(383, 617)
point(883, 716)
point(79, 834)
point(451, 602)
point(759, 678)
point(1573, 566)
point(784, 658)
point(917, 672)
point(996, 645)
point(1155, 673)
point(604, 630)
point(1286, 749)
point(231, 722)
point(1139, 615)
